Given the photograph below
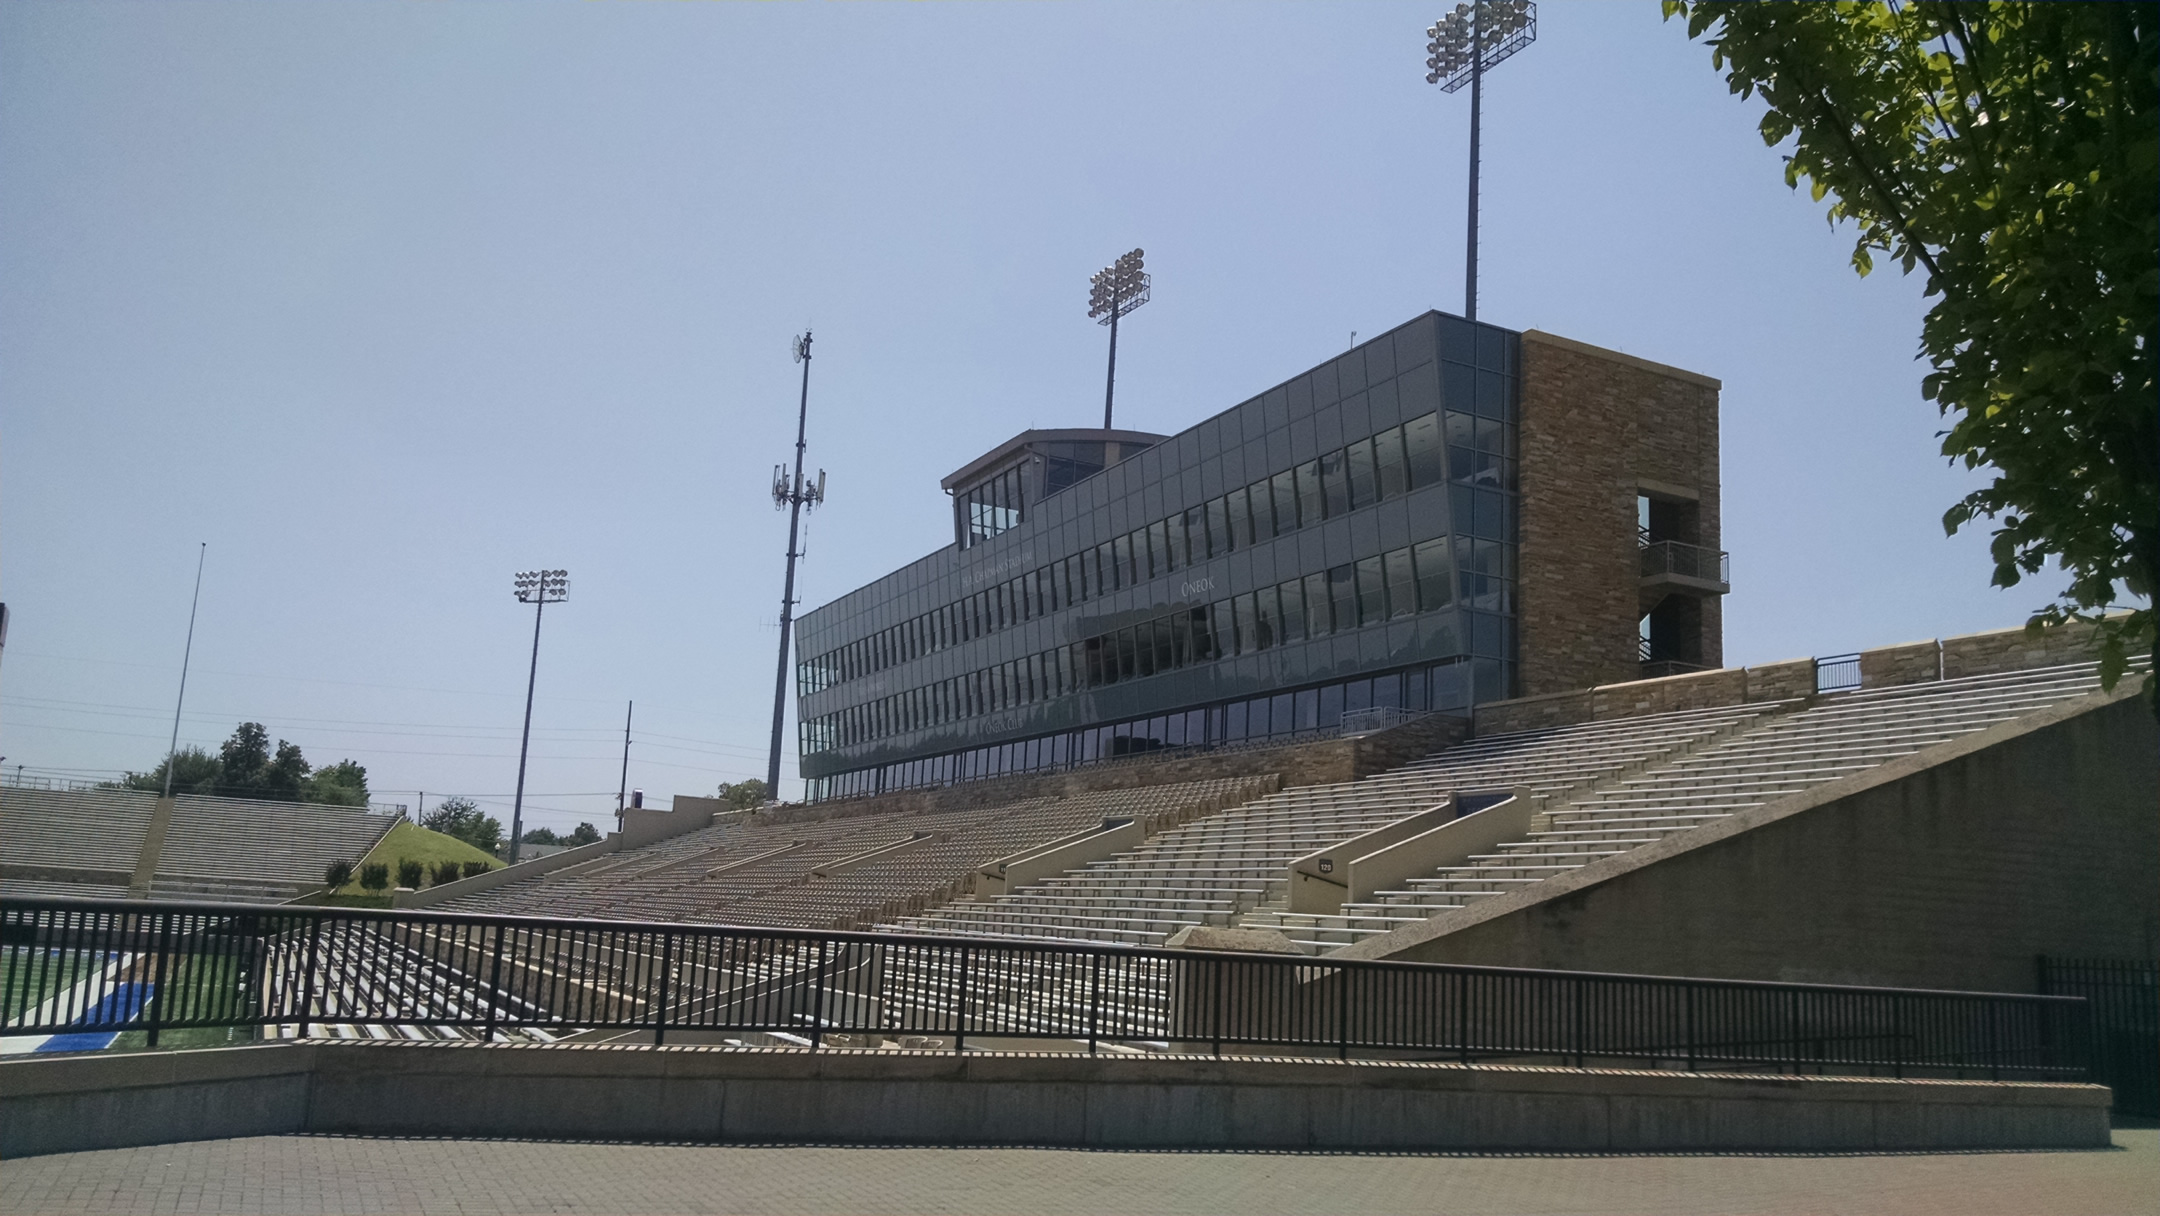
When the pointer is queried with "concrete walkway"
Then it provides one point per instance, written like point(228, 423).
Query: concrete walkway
point(332, 1174)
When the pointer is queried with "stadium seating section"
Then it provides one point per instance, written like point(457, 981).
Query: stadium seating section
point(803, 871)
point(88, 843)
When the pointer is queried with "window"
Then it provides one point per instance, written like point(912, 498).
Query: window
point(1388, 458)
point(1319, 614)
point(1237, 509)
point(1159, 547)
point(1335, 483)
point(1159, 636)
point(1291, 596)
point(1204, 643)
point(1218, 527)
point(1342, 596)
point(1371, 591)
point(1435, 588)
point(1401, 583)
point(1363, 492)
point(1421, 449)
point(1266, 617)
point(1285, 495)
point(1312, 504)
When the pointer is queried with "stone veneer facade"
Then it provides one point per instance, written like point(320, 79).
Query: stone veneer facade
point(1598, 428)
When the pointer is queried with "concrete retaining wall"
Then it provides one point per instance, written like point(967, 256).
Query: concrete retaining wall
point(67, 1104)
point(1950, 868)
point(1312, 762)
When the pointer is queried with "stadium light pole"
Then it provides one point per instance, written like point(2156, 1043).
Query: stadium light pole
point(1464, 45)
point(172, 752)
point(538, 588)
point(792, 495)
point(1115, 290)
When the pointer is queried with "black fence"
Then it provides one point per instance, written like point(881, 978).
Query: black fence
point(71, 966)
point(2124, 995)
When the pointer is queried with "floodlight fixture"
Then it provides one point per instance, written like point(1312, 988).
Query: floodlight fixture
point(1499, 28)
point(538, 588)
point(1114, 291)
point(542, 586)
point(1465, 44)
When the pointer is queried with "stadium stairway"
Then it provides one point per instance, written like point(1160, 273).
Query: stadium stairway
point(1843, 734)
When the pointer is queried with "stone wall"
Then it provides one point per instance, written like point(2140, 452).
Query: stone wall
point(1972, 654)
point(1597, 428)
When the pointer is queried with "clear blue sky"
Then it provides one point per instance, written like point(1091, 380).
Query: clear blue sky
point(386, 302)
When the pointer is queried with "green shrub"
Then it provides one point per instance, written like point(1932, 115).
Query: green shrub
point(338, 874)
point(473, 869)
point(375, 875)
point(447, 871)
point(411, 873)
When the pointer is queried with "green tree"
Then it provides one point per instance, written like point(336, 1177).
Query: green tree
point(2012, 150)
point(242, 760)
point(585, 834)
point(462, 818)
point(539, 836)
point(340, 784)
point(744, 795)
point(246, 766)
point(195, 771)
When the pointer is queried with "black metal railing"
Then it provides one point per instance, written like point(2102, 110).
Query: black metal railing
point(2124, 996)
point(72, 966)
point(1837, 673)
point(1686, 561)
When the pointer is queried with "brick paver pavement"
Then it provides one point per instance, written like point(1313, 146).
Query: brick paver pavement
point(336, 1174)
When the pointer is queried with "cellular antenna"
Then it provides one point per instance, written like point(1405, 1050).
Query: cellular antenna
point(793, 495)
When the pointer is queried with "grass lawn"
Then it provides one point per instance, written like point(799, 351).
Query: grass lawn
point(404, 842)
point(29, 978)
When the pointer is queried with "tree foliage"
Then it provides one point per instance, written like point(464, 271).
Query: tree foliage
point(2012, 151)
point(585, 833)
point(246, 766)
point(462, 818)
point(744, 795)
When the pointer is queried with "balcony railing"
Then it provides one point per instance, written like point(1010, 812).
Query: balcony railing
point(1680, 560)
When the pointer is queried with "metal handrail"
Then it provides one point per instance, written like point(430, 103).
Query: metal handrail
point(111, 965)
point(1685, 561)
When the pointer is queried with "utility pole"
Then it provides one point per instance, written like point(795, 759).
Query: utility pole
point(791, 494)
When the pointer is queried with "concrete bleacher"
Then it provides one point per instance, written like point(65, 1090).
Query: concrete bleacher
point(96, 843)
point(840, 871)
point(1784, 754)
point(1217, 870)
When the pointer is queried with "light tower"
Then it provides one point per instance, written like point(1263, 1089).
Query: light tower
point(1465, 44)
point(792, 495)
point(538, 588)
point(1115, 290)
